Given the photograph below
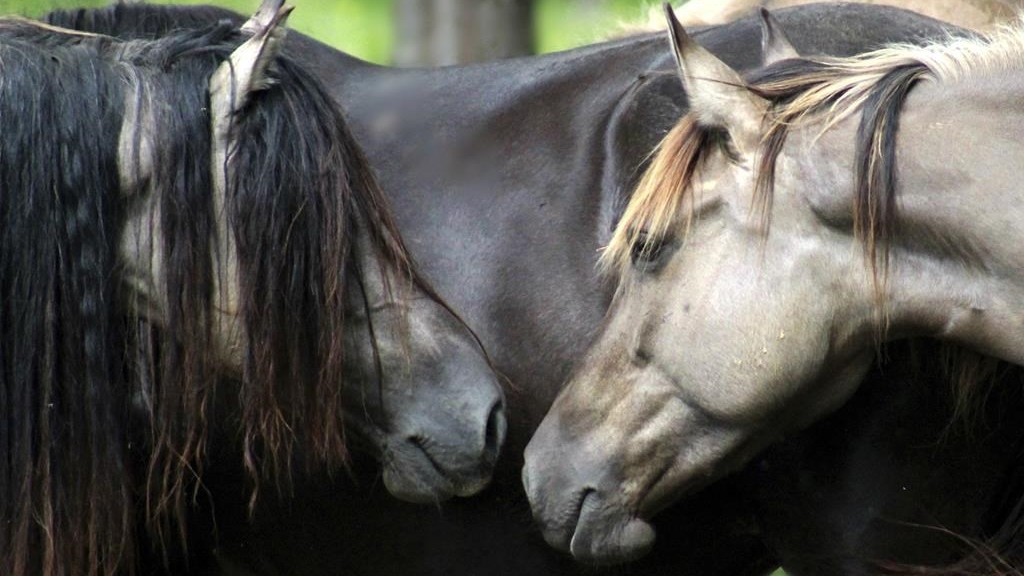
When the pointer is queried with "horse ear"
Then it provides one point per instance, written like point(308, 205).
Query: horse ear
point(775, 46)
point(245, 71)
point(718, 95)
point(264, 16)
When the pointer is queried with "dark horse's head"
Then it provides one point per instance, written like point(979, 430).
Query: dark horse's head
point(177, 210)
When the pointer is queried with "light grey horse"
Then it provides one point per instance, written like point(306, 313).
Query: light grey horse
point(767, 253)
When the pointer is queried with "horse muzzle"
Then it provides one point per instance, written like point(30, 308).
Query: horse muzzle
point(579, 506)
point(426, 467)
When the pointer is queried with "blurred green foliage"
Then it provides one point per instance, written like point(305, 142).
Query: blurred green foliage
point(564, 24)
point(363, 27)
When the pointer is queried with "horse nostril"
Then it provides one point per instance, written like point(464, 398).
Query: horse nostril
point(494, 434)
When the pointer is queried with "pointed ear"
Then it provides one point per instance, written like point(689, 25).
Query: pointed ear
point(263, 17)
point(775, 46)
point(717, 93)
point(245, 71)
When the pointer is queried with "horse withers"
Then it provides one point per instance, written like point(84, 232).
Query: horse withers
point(760, 269)
point(159, 229)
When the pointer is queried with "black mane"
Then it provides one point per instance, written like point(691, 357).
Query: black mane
point(71, 352)
point(141, 21)
point(63, 467)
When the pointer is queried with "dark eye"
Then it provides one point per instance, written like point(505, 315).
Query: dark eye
point(648, 251)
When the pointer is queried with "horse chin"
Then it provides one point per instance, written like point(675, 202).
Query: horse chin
point(608, 535)
point(416, 489)
point(413, 475)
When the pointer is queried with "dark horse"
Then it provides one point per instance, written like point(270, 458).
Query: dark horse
point(173, 211)
point(506, 179)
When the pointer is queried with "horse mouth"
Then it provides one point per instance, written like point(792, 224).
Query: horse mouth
point(410, 474)
point(560, 534)
point(600, 534)
point(578, 518)
point(413, 474)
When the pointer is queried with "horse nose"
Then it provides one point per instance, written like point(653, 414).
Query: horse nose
point(494, 432)
point(556, 491)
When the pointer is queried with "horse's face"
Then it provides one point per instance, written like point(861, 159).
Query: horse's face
point(711, 350)
point(314, 305)
point(720, 339)
point(413, 380)
point(434, 413)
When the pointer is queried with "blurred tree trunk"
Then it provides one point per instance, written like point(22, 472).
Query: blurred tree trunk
point(440, 32)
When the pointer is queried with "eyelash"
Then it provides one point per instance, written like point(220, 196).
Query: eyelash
point(647, 252)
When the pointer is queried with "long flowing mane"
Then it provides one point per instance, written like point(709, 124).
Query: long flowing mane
point(75, 361)
point(347, 173)
point(826, 91)
point(62, 470)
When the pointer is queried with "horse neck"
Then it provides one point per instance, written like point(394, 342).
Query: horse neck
point(331, 66)
point(489, 91)
point(958, 267)
point(571, 109)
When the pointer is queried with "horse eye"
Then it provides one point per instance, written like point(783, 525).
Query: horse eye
point(647, 250)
